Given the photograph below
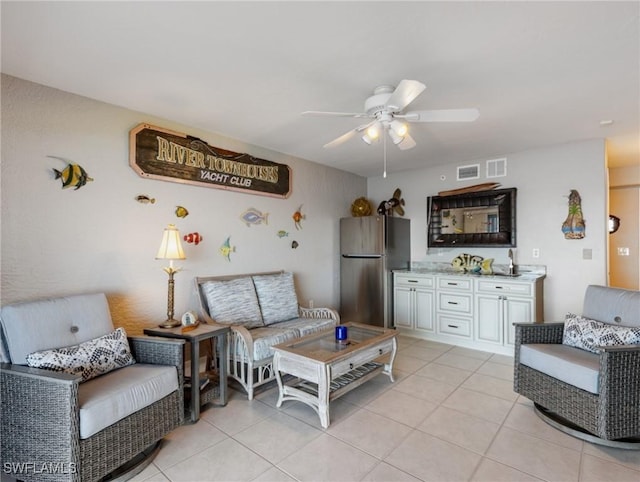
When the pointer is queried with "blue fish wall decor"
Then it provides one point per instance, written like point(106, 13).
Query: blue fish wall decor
point(253, 216)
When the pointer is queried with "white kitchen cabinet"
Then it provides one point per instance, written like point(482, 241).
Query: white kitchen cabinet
point(454, 309)
point(467, 310)
point(499, 304)
point(413, 302)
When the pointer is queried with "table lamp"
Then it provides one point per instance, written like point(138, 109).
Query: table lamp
point(170, 249)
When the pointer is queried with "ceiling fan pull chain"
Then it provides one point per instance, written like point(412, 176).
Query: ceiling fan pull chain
point(384, 143)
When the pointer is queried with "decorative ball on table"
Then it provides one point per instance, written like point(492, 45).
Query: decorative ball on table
point(361, 207)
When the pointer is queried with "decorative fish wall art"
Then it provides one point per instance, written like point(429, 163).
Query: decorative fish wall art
point(282, 234)
point(226, 249)
point(144, 199)
point(469, 263)
point(181, 212)
point(73, 175)
point(254, 216)
point(573, 227)
point(294, 244)
point(298, 217)
point(193, 238)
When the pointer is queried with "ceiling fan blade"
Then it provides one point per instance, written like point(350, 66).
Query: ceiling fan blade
point(333, 114)
point(348, 135)
point(407, 143)
point(443, 115)
point(404, 94)
point(339, 140)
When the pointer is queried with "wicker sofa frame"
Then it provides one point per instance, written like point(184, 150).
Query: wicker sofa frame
point(613, 414)
point(242, 367)
point(40, 421)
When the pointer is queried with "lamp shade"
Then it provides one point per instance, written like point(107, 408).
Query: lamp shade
point(171, 248)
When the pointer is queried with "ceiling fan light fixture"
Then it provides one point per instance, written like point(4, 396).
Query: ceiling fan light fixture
point(400, 128)
point(395, 138)
point(371, 134)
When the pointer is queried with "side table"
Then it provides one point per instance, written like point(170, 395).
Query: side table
point(195, 336)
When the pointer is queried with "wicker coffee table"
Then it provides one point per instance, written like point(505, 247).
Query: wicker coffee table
point(324, 369)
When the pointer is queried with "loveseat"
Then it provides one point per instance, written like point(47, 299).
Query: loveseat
point(262, 310)
point(583, 374)
point(80, 399)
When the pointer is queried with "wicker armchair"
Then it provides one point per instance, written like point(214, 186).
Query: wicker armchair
point(42, 410)
point(611, 414)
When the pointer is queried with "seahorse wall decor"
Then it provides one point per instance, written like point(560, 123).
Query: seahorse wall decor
point(573, 226)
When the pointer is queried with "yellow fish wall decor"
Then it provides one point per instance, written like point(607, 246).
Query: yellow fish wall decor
point(73, 175)
point(181, 212)
point(468, 263)
point(226, 249)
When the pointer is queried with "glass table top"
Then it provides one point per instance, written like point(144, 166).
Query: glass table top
point(323, 345)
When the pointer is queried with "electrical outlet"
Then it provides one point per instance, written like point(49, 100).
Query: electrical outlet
point(623, 251)
point(536, 253)
point(587, 253)
point(310, 303)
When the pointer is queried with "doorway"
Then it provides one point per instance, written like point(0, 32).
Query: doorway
point(624, 244)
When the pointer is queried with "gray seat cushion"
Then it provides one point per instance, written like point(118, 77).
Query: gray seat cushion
point(307, 326)
point(106, 399)
point(574, 366)
point(615, 306)
point(53, 323)
point(264, 338)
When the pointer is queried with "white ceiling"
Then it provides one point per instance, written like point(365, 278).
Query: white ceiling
point(541, 73)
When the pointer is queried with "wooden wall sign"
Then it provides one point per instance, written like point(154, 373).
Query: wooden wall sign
point(158, 153)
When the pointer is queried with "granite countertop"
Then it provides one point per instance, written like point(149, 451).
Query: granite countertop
point(523, 272)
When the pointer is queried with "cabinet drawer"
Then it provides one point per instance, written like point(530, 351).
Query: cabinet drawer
point(497, 286)
point(455, 283)
point(454, 303)
point(357, 359)
point(454, 326)
point(407, 280)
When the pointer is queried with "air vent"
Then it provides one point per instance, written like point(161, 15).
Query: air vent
point(497, 167)
point(468, 172)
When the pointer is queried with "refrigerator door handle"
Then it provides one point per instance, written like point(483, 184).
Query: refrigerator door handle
point(362, 255)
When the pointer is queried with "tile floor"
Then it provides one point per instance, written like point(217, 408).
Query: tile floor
point(451, 415)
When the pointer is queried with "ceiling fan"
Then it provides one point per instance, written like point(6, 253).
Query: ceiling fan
point(384, 109)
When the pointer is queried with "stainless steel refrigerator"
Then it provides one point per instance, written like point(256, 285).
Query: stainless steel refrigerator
point(370, 247)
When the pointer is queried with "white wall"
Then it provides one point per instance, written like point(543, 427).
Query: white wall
point(98, 238)
point(544, 178)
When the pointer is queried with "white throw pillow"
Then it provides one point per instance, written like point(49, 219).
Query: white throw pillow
point(89, 359)
point(590, 334)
